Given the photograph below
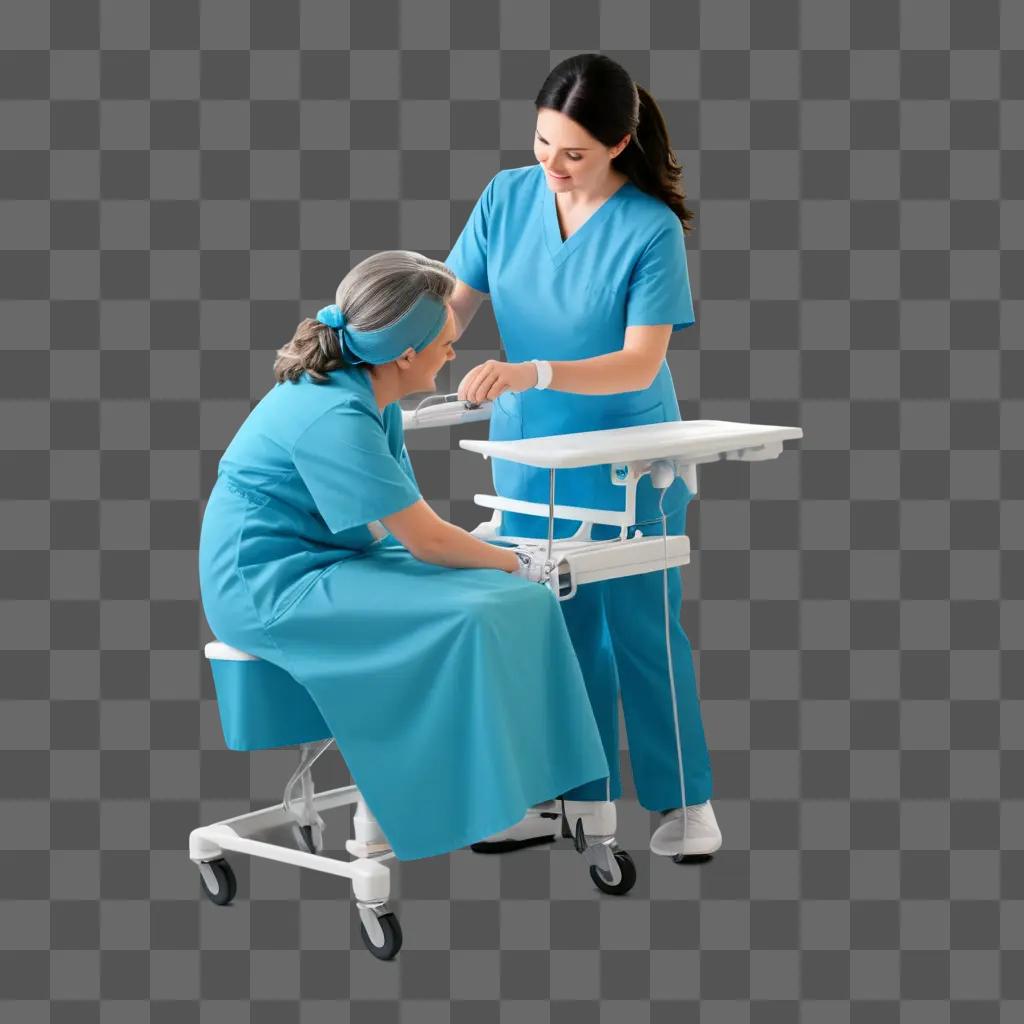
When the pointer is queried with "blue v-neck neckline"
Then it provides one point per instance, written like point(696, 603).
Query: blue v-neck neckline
point(558, 249)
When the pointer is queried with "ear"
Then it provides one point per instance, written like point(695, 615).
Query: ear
point(621, 145)
point(406, 358)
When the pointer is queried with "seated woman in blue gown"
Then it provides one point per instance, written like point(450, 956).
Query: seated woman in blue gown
point(444, 671)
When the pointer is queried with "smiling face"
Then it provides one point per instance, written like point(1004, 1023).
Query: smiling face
point(570, 156)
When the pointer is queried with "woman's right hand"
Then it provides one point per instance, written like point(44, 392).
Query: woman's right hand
point(428, 537)
point(532, 566)
point(490, 380)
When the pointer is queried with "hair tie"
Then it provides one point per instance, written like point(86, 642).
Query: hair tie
point(332, 316)
point(416, 328)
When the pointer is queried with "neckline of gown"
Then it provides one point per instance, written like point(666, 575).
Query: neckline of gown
point(357, 374)
point(559, 249)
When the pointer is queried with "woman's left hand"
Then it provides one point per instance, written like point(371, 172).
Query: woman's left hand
point(487, 381)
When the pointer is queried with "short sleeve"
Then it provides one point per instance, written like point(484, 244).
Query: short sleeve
point(468, 258)
point(392, 417)
point(406, 464)
point(348, 468)
point(659, 288)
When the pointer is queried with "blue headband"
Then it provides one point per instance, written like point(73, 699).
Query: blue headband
point(416, 328)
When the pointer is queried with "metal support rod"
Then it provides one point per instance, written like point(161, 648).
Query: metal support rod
point(551, 514)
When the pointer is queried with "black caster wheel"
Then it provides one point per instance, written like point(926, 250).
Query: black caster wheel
point(392, 943)
point(227, 885)
point(625, 883)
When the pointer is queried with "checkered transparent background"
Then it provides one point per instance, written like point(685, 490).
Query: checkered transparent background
point(181, 182)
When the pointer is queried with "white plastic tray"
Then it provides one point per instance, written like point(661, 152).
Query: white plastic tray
point(686, 441)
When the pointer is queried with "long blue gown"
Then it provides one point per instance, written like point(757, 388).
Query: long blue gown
point(454, 694)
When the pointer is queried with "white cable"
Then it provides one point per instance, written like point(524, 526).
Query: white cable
point(432, 400)
point(671, 673)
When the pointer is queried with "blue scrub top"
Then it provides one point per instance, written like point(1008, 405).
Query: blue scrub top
point(310, 467)
point(568, 300)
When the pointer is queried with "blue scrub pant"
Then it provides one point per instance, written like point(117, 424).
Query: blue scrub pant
point(618, 632)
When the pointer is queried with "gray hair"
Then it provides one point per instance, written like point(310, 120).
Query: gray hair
point(372, 295)
point(379, 289)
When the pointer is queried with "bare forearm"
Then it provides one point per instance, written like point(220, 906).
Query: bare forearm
point(609, 374)
point(454, 547)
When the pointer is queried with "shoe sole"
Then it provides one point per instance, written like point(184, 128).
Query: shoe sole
point(692, 858)
point(508, 845)
point(704, 850)
point(694, 849)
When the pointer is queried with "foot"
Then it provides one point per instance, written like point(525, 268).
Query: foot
point(703, 836)
point(542, 823)
point(368, 839)
point(539, 825)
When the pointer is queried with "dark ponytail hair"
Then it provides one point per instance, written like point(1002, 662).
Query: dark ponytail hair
point(599, 95)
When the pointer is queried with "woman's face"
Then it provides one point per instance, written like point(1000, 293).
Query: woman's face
point(425, 365)
point(570, 156)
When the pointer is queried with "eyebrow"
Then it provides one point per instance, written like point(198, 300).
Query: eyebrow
point(581, 149)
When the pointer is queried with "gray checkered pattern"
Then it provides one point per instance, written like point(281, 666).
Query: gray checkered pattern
point(180, 182)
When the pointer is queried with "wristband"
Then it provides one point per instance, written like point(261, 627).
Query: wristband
point(543, 373)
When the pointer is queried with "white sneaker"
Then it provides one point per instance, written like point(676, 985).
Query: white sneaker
point(368, 839)
point(703, 836)
point(542, 823)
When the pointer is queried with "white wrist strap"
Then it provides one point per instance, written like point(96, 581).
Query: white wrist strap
point(543, 373)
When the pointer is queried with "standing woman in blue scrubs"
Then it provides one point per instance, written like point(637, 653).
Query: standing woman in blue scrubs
point(583, 258)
